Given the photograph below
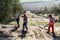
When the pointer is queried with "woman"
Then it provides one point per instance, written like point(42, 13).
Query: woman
point(51, 24)
point(25, 21)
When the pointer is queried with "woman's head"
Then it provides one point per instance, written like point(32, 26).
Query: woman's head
point(50, 16)
point(24, 12)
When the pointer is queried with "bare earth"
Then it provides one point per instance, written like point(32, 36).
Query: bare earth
point(34, 33)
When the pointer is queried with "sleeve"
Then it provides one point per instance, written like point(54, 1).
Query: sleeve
point(54, 20)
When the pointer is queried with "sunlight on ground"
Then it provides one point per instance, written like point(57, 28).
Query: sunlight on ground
point(30, 23)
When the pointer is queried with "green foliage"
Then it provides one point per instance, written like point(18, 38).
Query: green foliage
point(8, 9)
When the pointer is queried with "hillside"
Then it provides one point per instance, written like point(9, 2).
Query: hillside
point(39, 4)
point(36, 32)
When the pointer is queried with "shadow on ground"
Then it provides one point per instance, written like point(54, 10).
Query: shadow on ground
point(4, 36)
point(23, 35)
point(16, 28)
point(55, 37)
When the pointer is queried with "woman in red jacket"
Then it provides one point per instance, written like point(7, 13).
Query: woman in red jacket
point(51, 24)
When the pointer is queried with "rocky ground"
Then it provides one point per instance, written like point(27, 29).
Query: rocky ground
point(37, 32)
point(34, 33)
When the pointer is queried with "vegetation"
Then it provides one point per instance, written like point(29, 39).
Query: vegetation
point(53, 10)
point(8, 9)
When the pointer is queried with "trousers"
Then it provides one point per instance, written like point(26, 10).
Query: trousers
point(52, 26)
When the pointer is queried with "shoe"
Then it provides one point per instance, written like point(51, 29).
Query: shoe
point(47, 32)
point(53, 33)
